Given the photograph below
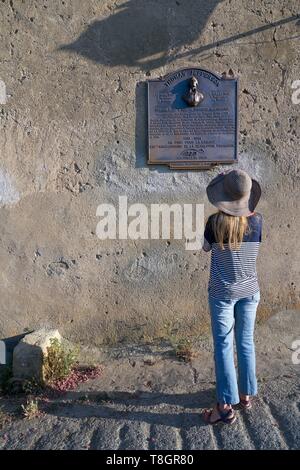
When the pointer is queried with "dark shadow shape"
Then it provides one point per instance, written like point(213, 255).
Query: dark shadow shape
point(142, 398)
point(251, 32)
point(141, 124)
point(139, 31)
point(256, 43)
point(201, 399)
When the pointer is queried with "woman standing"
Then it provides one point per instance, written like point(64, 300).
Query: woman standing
point(233, 235)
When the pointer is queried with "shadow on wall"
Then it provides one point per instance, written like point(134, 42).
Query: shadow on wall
point(141, 130)
point(150, 33)
point(147, 33)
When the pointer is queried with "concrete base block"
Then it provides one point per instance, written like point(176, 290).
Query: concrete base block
point(28, 355)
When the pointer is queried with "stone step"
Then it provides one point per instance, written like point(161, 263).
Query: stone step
point(66, 434)
point(232, 437)
point(106, 436)
point(134, 435)
point(287, 416)
point(164, 437)
point(196, 434)
point(81, 439)
point(262, 428)
point(282, 398)
point(24, 434)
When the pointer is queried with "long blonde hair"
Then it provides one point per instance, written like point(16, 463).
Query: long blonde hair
point(229, 229)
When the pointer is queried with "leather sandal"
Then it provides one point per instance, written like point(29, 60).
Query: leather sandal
point(245, 404)
point(226, 417)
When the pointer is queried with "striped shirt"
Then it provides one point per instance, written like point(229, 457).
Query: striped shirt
point(233, 272)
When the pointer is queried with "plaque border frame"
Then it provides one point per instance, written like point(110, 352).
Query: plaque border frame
point(205, 164)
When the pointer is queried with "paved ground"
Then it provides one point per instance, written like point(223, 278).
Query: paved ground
point(147, 399)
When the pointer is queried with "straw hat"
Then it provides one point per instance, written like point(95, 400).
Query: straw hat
point(234, 193)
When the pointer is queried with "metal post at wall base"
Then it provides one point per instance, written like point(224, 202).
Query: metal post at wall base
point(7, 346)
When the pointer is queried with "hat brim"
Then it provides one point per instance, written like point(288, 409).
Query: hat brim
point(240, 207)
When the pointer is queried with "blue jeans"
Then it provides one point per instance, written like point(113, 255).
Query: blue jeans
point(234, 318)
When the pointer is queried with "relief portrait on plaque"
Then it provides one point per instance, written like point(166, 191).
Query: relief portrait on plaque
point(192, 119)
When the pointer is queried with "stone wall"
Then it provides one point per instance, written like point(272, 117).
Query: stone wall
point(73, 135)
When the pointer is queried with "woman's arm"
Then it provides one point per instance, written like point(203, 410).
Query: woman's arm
point(206, 246)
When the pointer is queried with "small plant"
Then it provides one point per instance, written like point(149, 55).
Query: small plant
point(182, 345)
point(32, 386)
point(5, 418)
point(59, 361)
point(77, 375)
point(31, 409)
point(183, 350)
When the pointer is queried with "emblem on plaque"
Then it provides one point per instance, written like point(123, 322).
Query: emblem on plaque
point(192, 119)
point(193, 97)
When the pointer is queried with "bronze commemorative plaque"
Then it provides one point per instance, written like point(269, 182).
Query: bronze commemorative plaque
point(192, 119)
